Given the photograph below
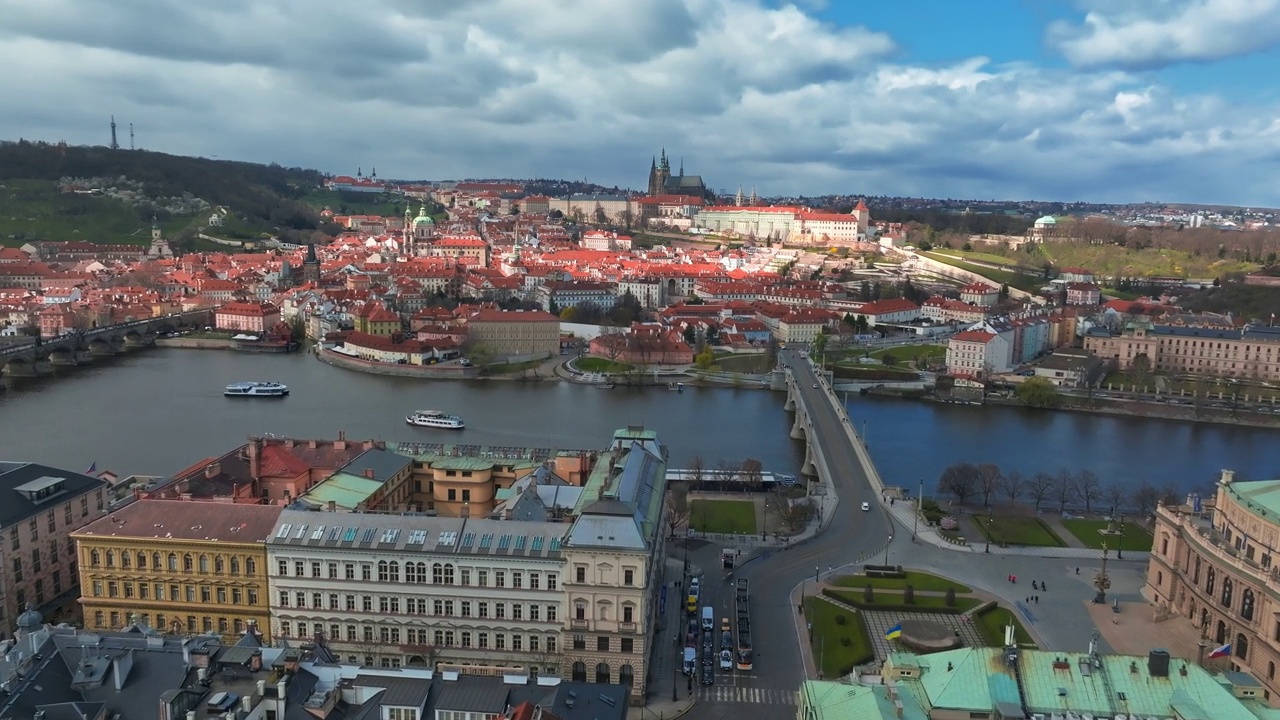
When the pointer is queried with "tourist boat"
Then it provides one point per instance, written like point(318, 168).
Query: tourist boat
point(435, 419)
point(604, 386)
point(256, 389)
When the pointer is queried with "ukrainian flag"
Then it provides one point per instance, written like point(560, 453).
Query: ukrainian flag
point(893, 632)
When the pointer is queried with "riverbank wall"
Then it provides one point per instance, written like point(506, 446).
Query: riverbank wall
point(195, 343)
point(424, 372)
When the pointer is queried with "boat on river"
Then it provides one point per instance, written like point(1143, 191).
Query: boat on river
point(256, 389)
point(435, 419)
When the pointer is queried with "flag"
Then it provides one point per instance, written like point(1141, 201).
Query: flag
point(1223, 651)
point(92, 467)
point(893, 632)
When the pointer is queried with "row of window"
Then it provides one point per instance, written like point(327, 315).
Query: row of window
point(162, 621)
point(51, 521)
point(604, 643)
point(416, 572)
point(173, 592)
point(417, 606)
point(126, 560)
point(482, 640)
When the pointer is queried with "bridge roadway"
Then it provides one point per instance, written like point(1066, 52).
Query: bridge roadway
point(29, 359)
point(768, 691)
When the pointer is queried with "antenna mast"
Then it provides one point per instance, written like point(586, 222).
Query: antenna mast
point(130, 136)
point(114, 145)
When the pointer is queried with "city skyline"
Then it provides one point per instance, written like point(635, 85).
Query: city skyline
point(1082, 100)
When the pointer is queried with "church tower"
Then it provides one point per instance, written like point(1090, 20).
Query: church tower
point(311, 265)
point(737, 199)
point(659, 173)
point(159, 249)
point(863, 217)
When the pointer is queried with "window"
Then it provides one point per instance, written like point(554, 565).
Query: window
point(580, 574)
point(628, 577)
point(125, 560)
point(333, 572)
point(1227, 587)
point(628, 611)
point(300, 569)
point(315, 568)
point(579, 610)
point(551, 613)
point(204, 563)
point(551, 643)
point(366, 572)
point(466, 608)
point(250, 566)
point(97, 588)
point(500, 611)
point(483, 610)
point(602, 643)
point(579, 642)
point(482, 577)
point(533, 580)
point(533, 612)
point(1246, 604)
point(500, 641)
point(499, 578)
point(95, 558)
point(350, 571)
point(235, 566)
point(465, 576)
point(627, 645)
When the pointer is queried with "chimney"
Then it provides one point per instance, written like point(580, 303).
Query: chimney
point(280, 688)
point(254, 450)
point(1228, 477)
point(262, 688)
point(212, 469)
point(333, 506)
point(191, 715)
point(368, 472)
point(255, 661)
point(246, 703)
point(1158, 663)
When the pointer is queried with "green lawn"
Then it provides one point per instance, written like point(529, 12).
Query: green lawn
point(992, 624)
point(598, 364)
point(921, 581)
point(33, 210)
point(504, 368)
point(1018, 531)
point(723, 516)
point(894, 599)
point(753, 363)
point(910, 353)
point(979, 256)
point(1136, 537)
point(1029, 283)
point(830, 653)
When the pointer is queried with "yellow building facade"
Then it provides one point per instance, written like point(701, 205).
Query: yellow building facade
point(183, 567)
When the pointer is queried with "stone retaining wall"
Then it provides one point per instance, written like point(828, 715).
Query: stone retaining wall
point(426, 372)
point(195, 343)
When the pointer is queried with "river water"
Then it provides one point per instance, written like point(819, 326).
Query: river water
point(157, 411)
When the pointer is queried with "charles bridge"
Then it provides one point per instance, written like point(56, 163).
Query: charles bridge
point(38, 357)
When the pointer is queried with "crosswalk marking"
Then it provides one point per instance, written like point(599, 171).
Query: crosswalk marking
point(755, 696)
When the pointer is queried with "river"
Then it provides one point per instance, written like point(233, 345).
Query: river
point(157, 411)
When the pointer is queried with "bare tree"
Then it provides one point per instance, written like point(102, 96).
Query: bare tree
point(1039, 487)
point(697, 472)
point(1013, 485)
point(959, 480)
point(989, 478)
point(752, 473)
point(1140, 371)
point(793, 513)
point(678, 507)
point(1115, 496)
point(1063, 489)
point(1145, 499)
point(1169, 494)
point(727, 473)
point(1088, 488)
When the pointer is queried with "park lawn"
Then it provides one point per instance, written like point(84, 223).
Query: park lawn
point(893, 599)
point(723, 516)
point(1028, 283)
point(921, 581)
point(1019, 531)
point(504, 368)
point(834, 658)
point(992, 624)
point(598, 364)
point(1136, 537)
point(911, 352)
point(753, 363)
point(35, 210)
point(978, 256)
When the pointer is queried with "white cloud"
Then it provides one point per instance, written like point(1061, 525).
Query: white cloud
point(747, 93)
point(1153, 33)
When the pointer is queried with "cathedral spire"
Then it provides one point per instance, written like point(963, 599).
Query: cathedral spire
point(681, 167)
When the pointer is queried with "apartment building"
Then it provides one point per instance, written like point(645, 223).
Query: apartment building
point(1216, 566)
point(41, 505)
point(481, 596)
point(528, 334)
point(1251, 352)
point(177, 566)
point(614, 556)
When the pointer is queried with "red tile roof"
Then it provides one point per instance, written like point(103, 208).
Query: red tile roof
point(188, 520)
point(975, 336)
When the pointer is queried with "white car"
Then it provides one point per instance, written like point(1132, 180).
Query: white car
point(866, 506)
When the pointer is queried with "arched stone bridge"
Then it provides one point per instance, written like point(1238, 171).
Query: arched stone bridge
point(80, 347)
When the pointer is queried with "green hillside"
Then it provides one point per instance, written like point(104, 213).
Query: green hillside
point(39, 198)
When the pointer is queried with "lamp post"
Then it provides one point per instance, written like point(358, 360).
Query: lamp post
point(1120, 545)
point(1100, 581)
point(915, 519)
point(989, 518)
point(886, 551)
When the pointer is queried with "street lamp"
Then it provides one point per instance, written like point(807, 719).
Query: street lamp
point(1120, 545)
point(915, 519)
point(886, 551)
point(1101, 582)
point(989, 518)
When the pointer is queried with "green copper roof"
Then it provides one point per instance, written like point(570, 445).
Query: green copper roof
point(345, 490)
point(1261, 497)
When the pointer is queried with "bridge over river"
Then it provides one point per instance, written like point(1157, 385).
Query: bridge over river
point(38, 357)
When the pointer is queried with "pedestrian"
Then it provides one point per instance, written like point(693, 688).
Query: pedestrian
point(1077, 570)
point(1015, 579)
point(1043, 586)
point(1033, 585)
point(1037, 599)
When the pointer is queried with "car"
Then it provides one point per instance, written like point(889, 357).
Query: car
point(726, 660)
point(815, 386)
point(866, 506)
point(708, 674)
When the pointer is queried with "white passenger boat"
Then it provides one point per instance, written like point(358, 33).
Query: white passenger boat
point(256, 389)
point(435, 419)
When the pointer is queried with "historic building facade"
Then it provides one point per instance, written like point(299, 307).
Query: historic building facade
point(1216, 565)
point(480, 596)
point(177, 566)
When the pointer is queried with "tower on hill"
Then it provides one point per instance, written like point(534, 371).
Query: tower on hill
point(662, 182)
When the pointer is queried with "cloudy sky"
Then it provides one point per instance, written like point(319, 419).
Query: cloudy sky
point(1102, 100)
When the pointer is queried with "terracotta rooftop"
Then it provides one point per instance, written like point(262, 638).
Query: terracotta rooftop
point(185, 520)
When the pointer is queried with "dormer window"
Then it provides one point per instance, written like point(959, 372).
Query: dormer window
point(42, 488)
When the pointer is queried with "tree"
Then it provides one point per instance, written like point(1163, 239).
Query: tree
point(752, 473)
point(959, 480)
point(1145, 499)
point(820, 341)
point(1115, 496)
point(1038, 488)
point(704, 360)
point(678, 507)
point(989, 478)
point(1038, 392)
point(793, 513)
point(1140, 371)
point(1013, 485)
point(1088, 487)
point(1063, 489)
point(697, 472)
